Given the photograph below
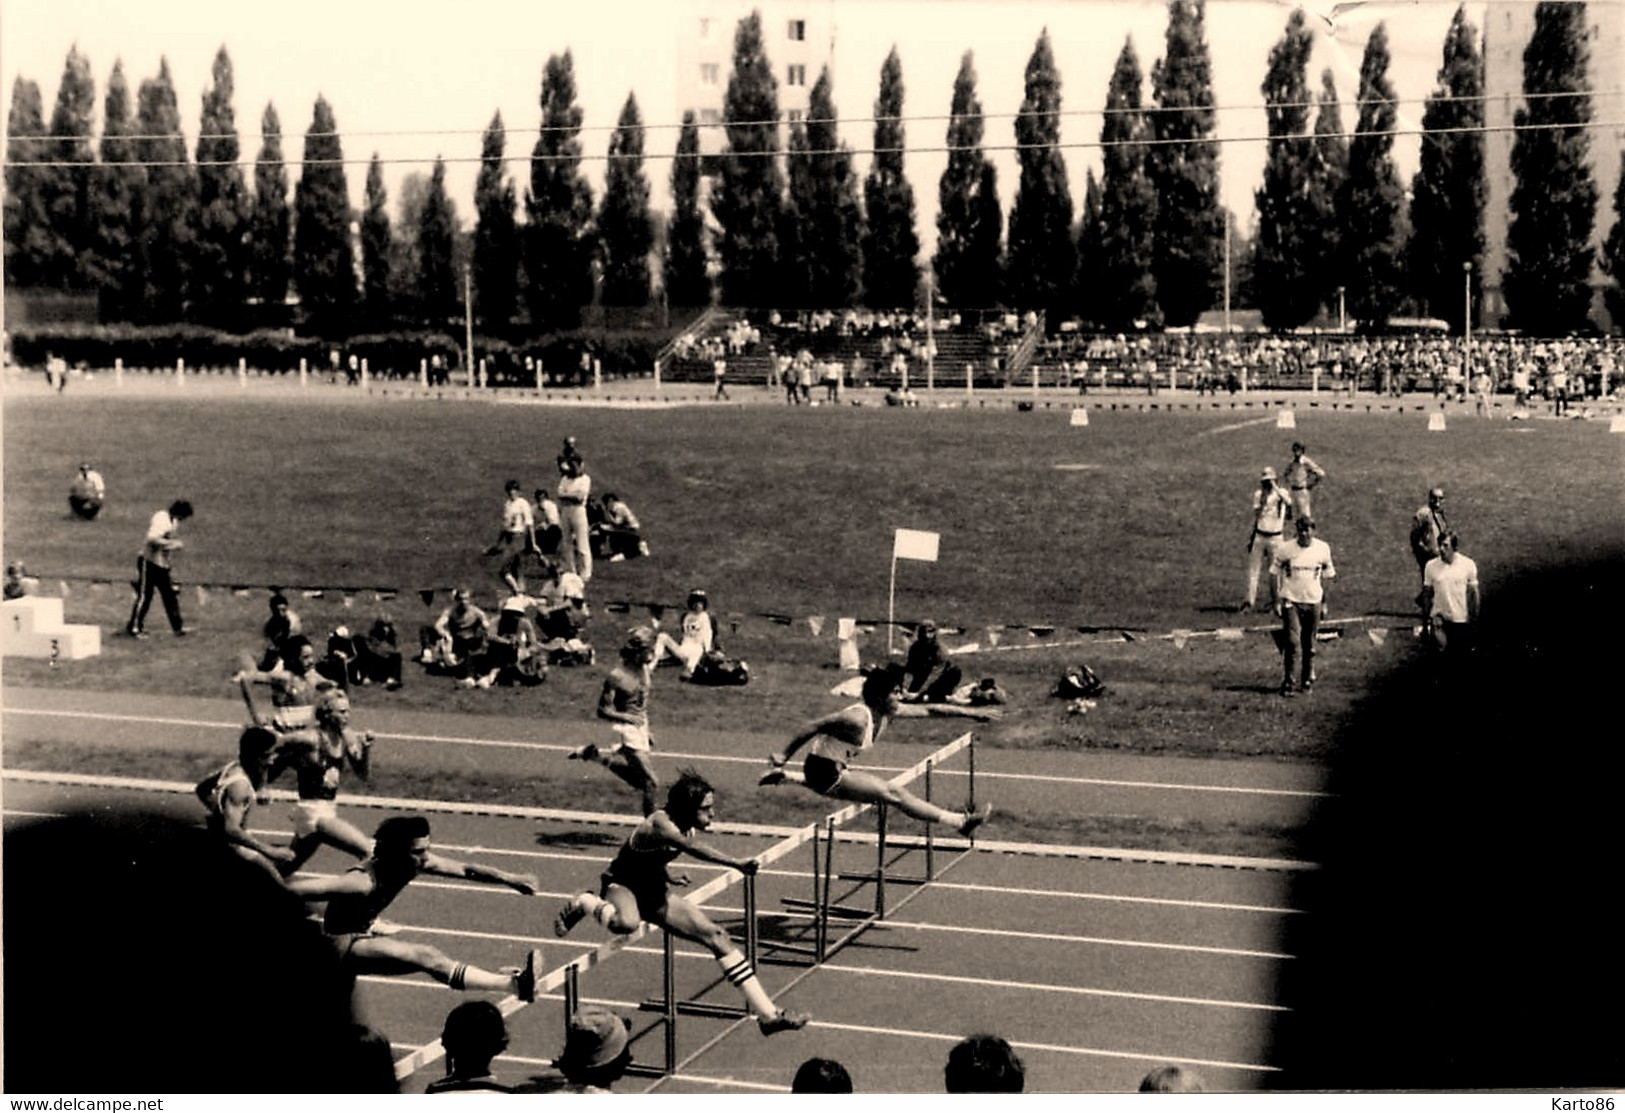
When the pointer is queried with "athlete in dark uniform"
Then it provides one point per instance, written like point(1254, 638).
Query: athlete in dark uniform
point(229, 793)
point(637, 887)
point(356, 898)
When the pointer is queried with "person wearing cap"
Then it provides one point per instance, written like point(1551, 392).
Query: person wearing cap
point(637, 888)
point(355, 899)
point(834, 740)
point(1302, 476)
point(1427, 527)
point(925, 656)
point(87, 492)
point(1271, 508)
point(1301, 570)
point(575, 488)
point(624, 705)
point(517, 537)
point(473, 1035)
point(699, 631)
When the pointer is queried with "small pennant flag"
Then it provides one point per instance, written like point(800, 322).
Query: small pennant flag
point(240, 592)
point(311, 593)
point(846, 628)
point(815, 623)
point(1041, 631)
point(1181, 637)
point(779, 619)
point(1377, 635)
point(427, 595)
point(65, 592)
point(993, 635)
point(347, 600)
point(657, 611)
point(915, 544)
point(202, 596)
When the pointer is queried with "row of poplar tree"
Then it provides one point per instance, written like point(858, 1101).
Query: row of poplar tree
point(165, 239)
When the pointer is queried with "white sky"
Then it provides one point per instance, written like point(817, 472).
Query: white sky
point(414, 80)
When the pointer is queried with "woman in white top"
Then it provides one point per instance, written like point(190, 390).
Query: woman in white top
point(835, 739)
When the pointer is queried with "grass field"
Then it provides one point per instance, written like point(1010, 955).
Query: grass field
point(1138, 520)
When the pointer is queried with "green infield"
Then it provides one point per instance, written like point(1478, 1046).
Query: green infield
point(1137, 521)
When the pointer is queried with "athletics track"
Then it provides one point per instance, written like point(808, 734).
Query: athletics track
point(1096, 964)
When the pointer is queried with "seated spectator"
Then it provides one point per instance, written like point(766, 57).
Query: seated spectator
point(474, 1034)
point(984, 1065)
point(618, 535)
point(596, 1052)
point(1171, 1079)
point(925, 657)
point(87, 492)
point(699, 631)
point(378, 654)
point(901, 396)
point(279, 627)
point(457, 636)
point(18, 582)
point(514, 653)
point(561, 617)
point(821, 1076)
point(548, 531)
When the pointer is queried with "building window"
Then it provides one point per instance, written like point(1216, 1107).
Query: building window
point(705, 28)
point(710, 73)
point(793, 115)
point(798, 30)
point(795, 74)
point(710, 116)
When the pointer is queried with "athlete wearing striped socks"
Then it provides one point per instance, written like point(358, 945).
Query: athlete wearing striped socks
point(636, 887)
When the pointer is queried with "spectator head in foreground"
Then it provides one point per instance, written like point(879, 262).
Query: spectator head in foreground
point(1171, 1078)
point(821, 1076)
point(984, 1064)
point(596, 1051)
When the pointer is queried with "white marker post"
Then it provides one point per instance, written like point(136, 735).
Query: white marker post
point(118, 371)
point(366, 376)
point(908, 544)
point(242, 373)
point(180, 372)
point(304, 373)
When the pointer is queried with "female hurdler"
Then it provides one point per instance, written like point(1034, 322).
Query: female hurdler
point(636, 887)
point(835, 739)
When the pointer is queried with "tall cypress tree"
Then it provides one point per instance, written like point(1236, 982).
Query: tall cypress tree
point(558, 206)
point(1447, 194)
point(1188, 248)
point(221, 259)
point(438, 281)
point(1092, 290)
point(1369, 203)
point(1554, 196)
point(968, 249)
point(987, 241)
point(324, 259)
point(1284, 288)
point(496, 245)
point(115, 185)
point(1328, 171)
point(27, 226)
point(834, 254)
point(688, 282)
point(166, 210)
point(797, 234)
point(1042, 260)
point(1128, 203)
point(67, 185)
point(748, 194)
point(890, 273)
point(1613, 253)
point(624, 225)
point(405, 268)
point(375, 235)
point(270, 226)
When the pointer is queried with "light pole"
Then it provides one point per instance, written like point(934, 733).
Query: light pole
point(1342, 319)
point(1467, 321)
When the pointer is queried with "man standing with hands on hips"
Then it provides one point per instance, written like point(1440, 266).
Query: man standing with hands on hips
point(1271, 508)
point(153, 568)
point(1301, 569)
point(575, 487)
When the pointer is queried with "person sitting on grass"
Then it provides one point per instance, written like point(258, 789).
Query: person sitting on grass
point(457, 636)
point(925, 657)
point(637, 887)
point(356, 898)
point(835, 739)
point(699, 629)
point(514, 654)
point(618, 534)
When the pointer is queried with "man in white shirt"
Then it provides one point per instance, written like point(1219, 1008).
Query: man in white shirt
point(87, 492)
point(1271, 508)
point(1450, 595)
point(1301, 569)
point(518, 535)
point(153, 568)
point(575, 487)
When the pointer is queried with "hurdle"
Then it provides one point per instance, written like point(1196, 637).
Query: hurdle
point(825, 906)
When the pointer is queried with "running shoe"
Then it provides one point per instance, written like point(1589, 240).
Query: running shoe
point(974, 819)
point(569, 916)
point(589, 752)
point(386, 927)
point(526, 987)
point(770, 778)
point(1287, 691)
point(786, 1020)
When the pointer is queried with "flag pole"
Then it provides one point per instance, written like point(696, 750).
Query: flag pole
point(891, 604)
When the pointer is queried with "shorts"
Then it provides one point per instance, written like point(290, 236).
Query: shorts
point(650, 894)
point(308, 814)
point(633, 737)
point(822, 774)
point(289, 719)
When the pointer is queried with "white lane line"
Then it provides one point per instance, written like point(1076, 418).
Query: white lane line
point(555, 747)
point(1040, 987)
point(874, 1030)
point(1236, 425)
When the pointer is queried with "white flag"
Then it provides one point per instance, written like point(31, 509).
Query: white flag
point(915, 544)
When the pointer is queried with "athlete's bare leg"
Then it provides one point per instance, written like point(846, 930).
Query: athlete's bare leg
point(392, 957)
